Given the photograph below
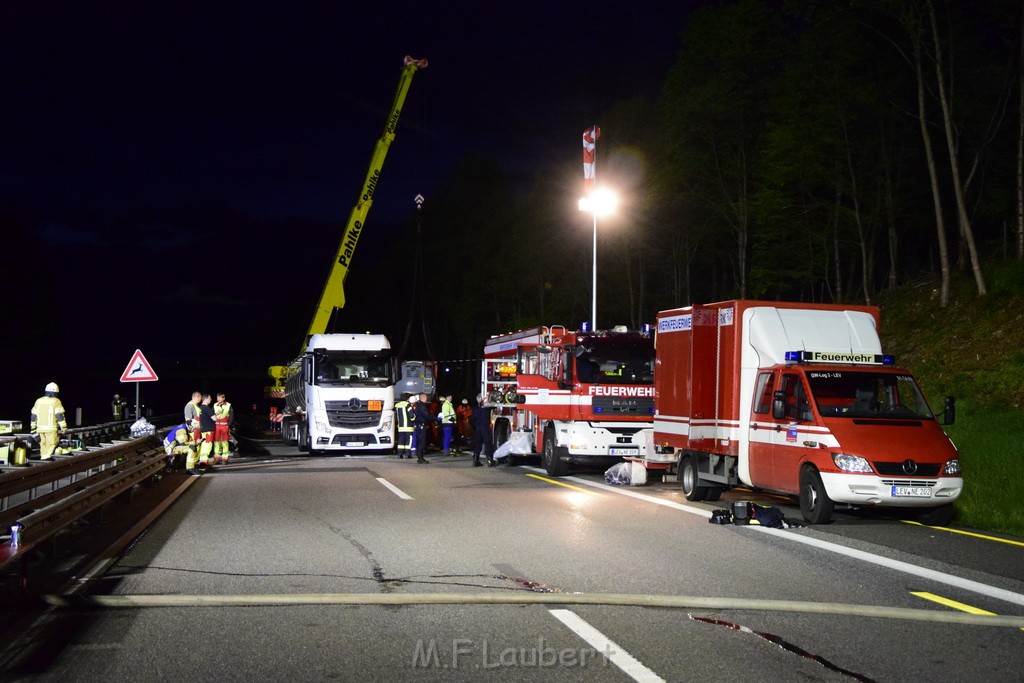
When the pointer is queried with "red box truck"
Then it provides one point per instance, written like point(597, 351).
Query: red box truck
point(797, 399)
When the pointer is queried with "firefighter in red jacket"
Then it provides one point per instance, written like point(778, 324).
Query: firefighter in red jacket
point(464, 411)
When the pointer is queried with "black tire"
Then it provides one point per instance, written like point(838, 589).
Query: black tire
point(940, 516)
point(713, 494)
point(303, 437)
point(688, 480)
point(552, 456)
point(286, 429)
point(815, 504)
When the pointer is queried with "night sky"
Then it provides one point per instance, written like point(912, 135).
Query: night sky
point(175, 177)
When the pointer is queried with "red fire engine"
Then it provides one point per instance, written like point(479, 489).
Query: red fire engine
point(583, 398)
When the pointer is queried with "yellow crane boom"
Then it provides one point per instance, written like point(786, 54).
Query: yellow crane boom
point(333, 295)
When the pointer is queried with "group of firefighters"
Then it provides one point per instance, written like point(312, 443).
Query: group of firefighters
point(413, 415)
point(205, 435)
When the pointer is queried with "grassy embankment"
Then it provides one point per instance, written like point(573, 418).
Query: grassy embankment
point(973, 350)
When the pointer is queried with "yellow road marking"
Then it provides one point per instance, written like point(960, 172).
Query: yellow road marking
point(953, 604)
point(968, 533)
point(568, 486)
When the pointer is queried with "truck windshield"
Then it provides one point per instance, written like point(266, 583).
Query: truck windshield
point(857, 394)
point(616, 360)
point(352, 368)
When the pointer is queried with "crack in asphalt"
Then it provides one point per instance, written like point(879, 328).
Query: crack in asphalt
point(785, 645)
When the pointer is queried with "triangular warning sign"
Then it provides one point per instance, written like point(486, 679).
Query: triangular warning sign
point(138, 370)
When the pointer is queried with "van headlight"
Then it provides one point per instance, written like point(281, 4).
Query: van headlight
point(952, 466)
point(851, 463)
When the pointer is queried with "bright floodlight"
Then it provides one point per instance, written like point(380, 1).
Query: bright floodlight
point(600, 202)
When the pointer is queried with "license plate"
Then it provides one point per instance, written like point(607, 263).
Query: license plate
point(624, 451)
point(911, 492)
point(354, 444)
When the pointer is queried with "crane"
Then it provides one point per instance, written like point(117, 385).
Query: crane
point(333, 295)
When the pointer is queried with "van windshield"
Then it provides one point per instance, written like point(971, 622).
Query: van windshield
point(858, 394)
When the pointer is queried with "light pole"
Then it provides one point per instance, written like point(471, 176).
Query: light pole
point(600, 202)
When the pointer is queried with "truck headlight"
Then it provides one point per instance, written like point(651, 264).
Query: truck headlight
point(850, 463)
point(952, 466)
point(322, 425)
point(385, 426)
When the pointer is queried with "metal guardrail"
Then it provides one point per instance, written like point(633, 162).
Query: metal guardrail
point(79, 438)
point(49, 497)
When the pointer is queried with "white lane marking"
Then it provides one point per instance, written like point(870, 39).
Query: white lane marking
point(896, 565)
point(606, 647)
point(394, 489)
point(633, 494)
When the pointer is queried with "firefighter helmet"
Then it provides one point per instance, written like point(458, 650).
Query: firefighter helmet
point(52, 386)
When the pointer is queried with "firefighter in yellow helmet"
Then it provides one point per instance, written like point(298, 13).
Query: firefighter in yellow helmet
point(48, 420)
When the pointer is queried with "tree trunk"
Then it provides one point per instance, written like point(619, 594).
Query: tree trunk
point(862, 240)
point(958, 190)
point(940, 220)
point(889, 202)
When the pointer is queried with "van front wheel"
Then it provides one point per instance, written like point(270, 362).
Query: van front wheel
point(815, 504)
point(940, 516)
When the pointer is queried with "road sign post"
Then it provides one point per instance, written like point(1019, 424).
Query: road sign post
point(138, 370)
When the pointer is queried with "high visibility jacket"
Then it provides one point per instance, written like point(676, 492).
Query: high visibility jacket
point(403, 416)
point(48, 415)
point(222, 413)
point(447, 413)
point(191, 413)
point(177, 436)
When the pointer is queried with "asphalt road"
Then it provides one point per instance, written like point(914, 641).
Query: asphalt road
point(304, 531)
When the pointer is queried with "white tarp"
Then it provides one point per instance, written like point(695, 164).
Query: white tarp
point(518, 443)
point(143, 428)
point(627, 472)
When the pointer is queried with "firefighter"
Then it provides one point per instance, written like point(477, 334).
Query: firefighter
point(447, 419)
point(207, 425)
point(48, 420)
point(192, 415)
point(483, 440)
point(423, 418)
point(223, 416)
point(404, 420)
point(464, 410)
point(117, 406)
point(179, 442)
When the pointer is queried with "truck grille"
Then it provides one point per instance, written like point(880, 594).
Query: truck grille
point(351, 414)
point(895, 469)
point(613, 405)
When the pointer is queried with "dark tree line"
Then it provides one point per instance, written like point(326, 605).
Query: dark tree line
point(806, 150)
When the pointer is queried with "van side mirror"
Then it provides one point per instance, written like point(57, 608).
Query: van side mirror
point(779, 405)
point(949, 410)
